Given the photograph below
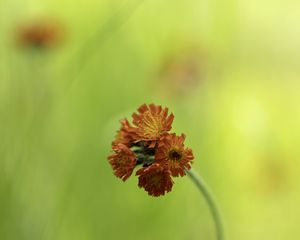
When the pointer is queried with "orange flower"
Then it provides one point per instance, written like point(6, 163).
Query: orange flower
point(125, 135)
point(171, 152)
point(155, 179)
point(152, 122)
point(40, 34)
point(123, 161)
point(148, 144)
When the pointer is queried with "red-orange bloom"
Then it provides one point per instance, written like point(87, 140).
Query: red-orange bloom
point(125, 135)
point(172, 153)
point(155, 179)
point(41, 34)
point(152, 122)
point(148, 144)
point(122, 161)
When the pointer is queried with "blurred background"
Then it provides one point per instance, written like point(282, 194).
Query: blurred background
point(69, 70)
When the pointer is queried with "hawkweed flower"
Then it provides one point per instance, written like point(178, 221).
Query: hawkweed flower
point(125, 135)
point(42, 34)
point(172, 153)
point(123, 161)
point(151, 123)
point(147, 144)
point(155, 179)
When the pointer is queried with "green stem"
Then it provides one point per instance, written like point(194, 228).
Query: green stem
point(203, 188)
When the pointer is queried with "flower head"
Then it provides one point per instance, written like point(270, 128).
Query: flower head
point(152, 122)
point(39, 34)
point(148, 144)
point(155, 179)
point(125, 135)
point(122, 161)
point(172, 153)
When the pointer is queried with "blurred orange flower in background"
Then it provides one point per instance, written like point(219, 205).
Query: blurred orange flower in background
point(40, 34)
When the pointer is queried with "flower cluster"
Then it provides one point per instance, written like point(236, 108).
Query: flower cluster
point(148, 143)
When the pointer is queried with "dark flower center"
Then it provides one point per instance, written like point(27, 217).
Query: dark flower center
point(144, 155)
point(175, 155)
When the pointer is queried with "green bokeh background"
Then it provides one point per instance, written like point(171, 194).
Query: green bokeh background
point(238, 106)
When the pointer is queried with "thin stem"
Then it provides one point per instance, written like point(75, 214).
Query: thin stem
point(203, 188)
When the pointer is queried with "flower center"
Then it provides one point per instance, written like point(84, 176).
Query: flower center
point(143, 154)
point(175, 155)
point(152, 125)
